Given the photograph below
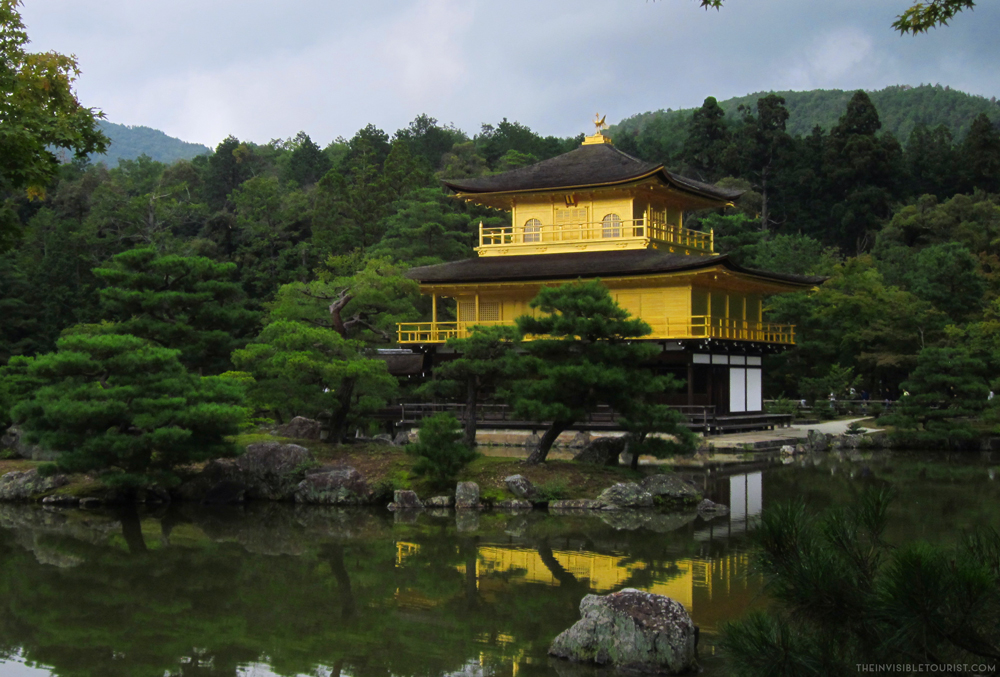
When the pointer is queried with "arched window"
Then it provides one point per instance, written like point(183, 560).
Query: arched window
point(533, 230)
point(612, 225)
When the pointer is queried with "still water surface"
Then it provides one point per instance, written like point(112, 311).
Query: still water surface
point(299, 590)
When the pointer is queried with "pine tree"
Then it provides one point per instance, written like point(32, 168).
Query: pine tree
point(187, 303)
point(128, 407)
point(484, 359)
point(582, 354)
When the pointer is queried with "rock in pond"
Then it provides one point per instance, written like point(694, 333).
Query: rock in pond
point(521, 486)
point(575, 504)
point(625, 495)
point(225, 492)
point(300, 428)
point(631, 630)
point(707, 509)
point(439, 502)
point(341, 485)
point(467, 496)
point(670, 488)
point(22, 486)
point(273, 470)
point(513, 504)
point(602, 451)
point(404, 499)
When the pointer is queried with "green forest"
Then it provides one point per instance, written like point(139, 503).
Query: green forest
point(276, 269)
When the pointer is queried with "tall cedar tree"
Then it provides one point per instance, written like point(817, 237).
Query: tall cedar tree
point(707, 142)
point(981, 156)
point(582, 354)
point(760, 144)
point(186, 303)
point(862, 170)
point(126, 406)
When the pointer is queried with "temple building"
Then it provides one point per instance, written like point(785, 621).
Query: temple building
point(597, 212)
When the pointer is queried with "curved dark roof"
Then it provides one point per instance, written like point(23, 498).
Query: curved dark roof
point(585, 264)
point(589, 165)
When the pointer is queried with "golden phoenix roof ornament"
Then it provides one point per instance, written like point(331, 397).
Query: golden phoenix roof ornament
point(599, 122)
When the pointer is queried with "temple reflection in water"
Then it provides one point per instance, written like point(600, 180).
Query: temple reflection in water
point(711, 585)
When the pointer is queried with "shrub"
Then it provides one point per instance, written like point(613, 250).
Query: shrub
point(440, 450)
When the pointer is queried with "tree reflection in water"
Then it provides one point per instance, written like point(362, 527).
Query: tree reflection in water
point(313, 590)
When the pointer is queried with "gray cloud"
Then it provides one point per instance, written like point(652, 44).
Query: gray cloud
point(202, 69)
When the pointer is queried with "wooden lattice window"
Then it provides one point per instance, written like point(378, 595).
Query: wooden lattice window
point(489, 311)
point(532, 231)
point(565, 216)
point(612, 225)
point(467, 311)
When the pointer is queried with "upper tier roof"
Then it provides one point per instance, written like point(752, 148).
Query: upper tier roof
point(542, 267)
point(587, 166)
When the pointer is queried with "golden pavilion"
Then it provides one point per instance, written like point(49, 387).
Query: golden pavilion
point(597, 212)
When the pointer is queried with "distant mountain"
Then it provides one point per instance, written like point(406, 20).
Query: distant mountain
point(128, 143)
point(900, 108)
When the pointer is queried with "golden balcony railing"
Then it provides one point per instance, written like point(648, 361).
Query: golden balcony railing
point(698, 326)
point(706, 326)
point(595, 231)
point(437, 332)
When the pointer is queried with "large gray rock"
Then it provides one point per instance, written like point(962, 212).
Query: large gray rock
point(467, 496)
point(439, 502)
point(817, 442)
point(404, 437)
point(521, 486)
point(707, 509)
point(342, 485)
point(300, 428)
point(13, 441)
point(602, 451)
point(404, 499)
point(580, 440)
point(272, 470)
point(625, 495)
point(670, 489)
point(631, 630)
point(22, 486)
point(215, 472)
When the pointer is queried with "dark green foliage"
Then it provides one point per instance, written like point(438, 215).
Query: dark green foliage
point(190, 304)
point(845, 597)
point(643, 418)
point(981, 156)
point(303, 370)
point(440, 451)
point(580, 356)
point(428, 227)
point(307, 163)
point(123, 405)
point(942, 397)
point(707, 142)
point(485, 360)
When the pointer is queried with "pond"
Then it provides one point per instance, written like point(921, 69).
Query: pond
point(273, 589)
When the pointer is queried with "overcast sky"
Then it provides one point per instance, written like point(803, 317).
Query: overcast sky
point(203, 69)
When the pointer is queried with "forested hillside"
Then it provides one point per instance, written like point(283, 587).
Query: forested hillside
point(129, 142)
point(900, 109)
point(316, 241)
